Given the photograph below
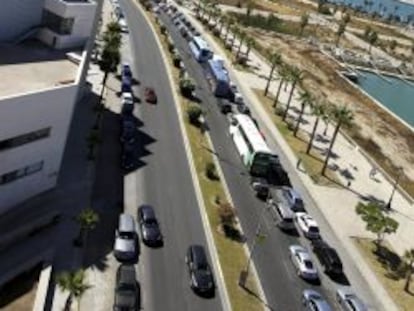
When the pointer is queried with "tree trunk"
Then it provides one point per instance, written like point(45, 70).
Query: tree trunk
point(289, 100)
point(325, 164)
point(238, 50)
point(315, 126)
point(248, 52)
point(299, 119)
point(408, 277)
point(272, 69)
point(275, 101)
point(68, 303)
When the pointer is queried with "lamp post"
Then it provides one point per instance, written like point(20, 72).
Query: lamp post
point(258, 237)
point(394, 188)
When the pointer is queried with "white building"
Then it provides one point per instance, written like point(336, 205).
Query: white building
point(38, 89)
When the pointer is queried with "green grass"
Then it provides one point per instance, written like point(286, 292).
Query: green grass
point(231, 254)
point(387, 268)
point(312, 162)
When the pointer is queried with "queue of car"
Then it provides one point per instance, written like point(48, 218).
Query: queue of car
point(127, 293)
point(290, 211)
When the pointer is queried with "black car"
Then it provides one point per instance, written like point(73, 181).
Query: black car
point(150, 229)
point(242, 108)
point(127, 290)
point(201, 277)
point(328, 257)
point(224, 105)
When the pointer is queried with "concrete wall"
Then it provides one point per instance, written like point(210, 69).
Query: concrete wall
point(82, 12)
point(26, 113)
point(18, 16)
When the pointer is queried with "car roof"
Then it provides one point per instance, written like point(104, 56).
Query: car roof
point(126, 274)
point(199, 253)
point(308, 219)
point(147, 211)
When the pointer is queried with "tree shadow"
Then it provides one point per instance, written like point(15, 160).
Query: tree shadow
point(391, 262)
point(256, 296)
point(233, 234)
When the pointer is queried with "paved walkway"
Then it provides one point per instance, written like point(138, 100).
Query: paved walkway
point(336, 204)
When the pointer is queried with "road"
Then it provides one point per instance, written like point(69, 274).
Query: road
point(163, 180)
point(281, 286)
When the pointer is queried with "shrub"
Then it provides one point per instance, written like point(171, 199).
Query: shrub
point(177, 60)
point(187, 87)
point(163, 29)
point(211, 171)
point(279, 111)
point(193, 114)
point(227, 214)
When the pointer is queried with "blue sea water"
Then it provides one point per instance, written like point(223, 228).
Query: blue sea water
point(382, 7)
point(395, 94)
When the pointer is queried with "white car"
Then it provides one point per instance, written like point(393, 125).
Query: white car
point(348, 301)
point(303, 263)
point(307, 225)
point(123, 24)
point(238, 98)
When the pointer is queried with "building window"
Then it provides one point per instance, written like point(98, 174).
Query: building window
point(24, 139)
point(58, 24)
point(20, 173)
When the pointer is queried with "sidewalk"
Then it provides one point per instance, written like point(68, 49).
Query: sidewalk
point(336, 204)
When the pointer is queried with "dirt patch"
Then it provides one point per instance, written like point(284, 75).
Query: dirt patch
point(394, 140)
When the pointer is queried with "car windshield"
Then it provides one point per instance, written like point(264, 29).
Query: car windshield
point(313, 229)
point(150, 222)
point(308, 264)
point(126, 235)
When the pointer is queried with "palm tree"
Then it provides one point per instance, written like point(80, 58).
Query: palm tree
point(87, 220)
point(304, 21)
point(242, 36)
point(230, 22)
point(319, 110)
point(340, 32)
point(275, 60)
point(251, 44)
point(284, 76)
point(409, 260)
point(296, 76)
point(343, 116)
point(74, 283)
point(305, 99)
point(236, 32)
point(223, 21)
point(110, 56)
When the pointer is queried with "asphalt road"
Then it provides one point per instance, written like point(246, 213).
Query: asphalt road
point(164, 181)
point(280, 283)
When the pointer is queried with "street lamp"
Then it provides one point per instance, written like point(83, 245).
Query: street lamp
point(394, 188)
point(258, 237)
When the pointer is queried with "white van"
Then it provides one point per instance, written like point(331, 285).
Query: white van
point(285, 216)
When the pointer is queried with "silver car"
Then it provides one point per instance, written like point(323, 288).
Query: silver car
point(303, 263)
point(348, 301)
point(126, 246)
point(313, 301)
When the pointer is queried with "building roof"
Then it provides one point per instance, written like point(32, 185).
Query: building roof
point(33, 66)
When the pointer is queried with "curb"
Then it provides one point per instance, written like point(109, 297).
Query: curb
point(209, 235)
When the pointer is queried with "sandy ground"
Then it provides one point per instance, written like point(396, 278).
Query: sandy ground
point(394, 139)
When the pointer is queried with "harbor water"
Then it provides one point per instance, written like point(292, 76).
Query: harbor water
point(392, 92)
point(404, 9)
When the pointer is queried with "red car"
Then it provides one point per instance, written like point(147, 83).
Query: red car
point(150, 95)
